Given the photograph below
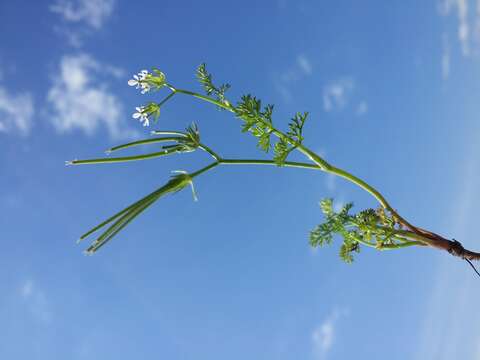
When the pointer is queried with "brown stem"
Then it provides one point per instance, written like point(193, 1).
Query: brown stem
point(453, 247)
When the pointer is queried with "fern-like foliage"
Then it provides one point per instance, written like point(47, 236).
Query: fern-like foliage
point(368, 227)
point(256, 120)
point(205, 79)
point(281, 151)
point(296, 126)
point(295, 134)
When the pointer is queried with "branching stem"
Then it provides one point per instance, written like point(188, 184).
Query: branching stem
point(431, 239)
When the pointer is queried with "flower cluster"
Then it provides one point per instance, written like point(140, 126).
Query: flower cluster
point(147, 81)
point(141, 115)
point(144, 112)
point(140, 81)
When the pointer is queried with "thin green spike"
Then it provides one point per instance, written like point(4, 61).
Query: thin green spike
point(168, 132)
point(121, 159)
point(118, 226)
point(175, 184)
point(110, 219)
point(145, 142)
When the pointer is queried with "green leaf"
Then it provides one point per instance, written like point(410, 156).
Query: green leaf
point(327, 206)
point(296, 127)
point(347, 250)
point(368, 227)
point(281, 151)
point(205, 80)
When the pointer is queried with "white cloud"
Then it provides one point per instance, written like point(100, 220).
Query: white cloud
point(463, 29)
point(331, 182)
point(467, 30)
point(90, 12)
point(339, 203)
point(81, 17)
point(16, 111)
point(81, 99)
point(323, 336)
point(336, 94)
point(362, 108)
point(477, 24)
point(27, 288)
point(300, 69)
point(304, 64)
point(445, 58)
point(36, 301)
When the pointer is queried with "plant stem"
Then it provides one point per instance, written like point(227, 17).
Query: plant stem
point(204, 98)
point(322, 164)
point(268, 162)
point(432, 239)
point(204, 169)
point(166, 98)
point(122, 159)
point(210, 151)
point(145, 142)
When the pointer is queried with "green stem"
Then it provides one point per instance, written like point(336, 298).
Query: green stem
point(210, 151)
point(145, 142)
point(403, 244)
point(204, 169)
point(168, 132)
point(268, 162)
point(204, 98)
point(166, 99)
point(411, 235)
point(220, 161)
point(122, 159)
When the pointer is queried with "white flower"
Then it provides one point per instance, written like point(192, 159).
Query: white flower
point(135, 81)
point(139, 81)
point(141, 115)
point(145, 87)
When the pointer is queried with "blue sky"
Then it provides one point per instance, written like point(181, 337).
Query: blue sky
point(392, 89)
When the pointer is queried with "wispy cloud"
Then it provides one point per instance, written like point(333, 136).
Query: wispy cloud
point(331, 182)
point(324, 335)
point(80, 97)
point(83, 16)
point(362, 108)
point(336, 94)
point(301, 68)
point(16, 111)
point(463, 28)
point(93, 13)
point(445, 58)
point(36, 301)
point(304, 64)
point(467, 14)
